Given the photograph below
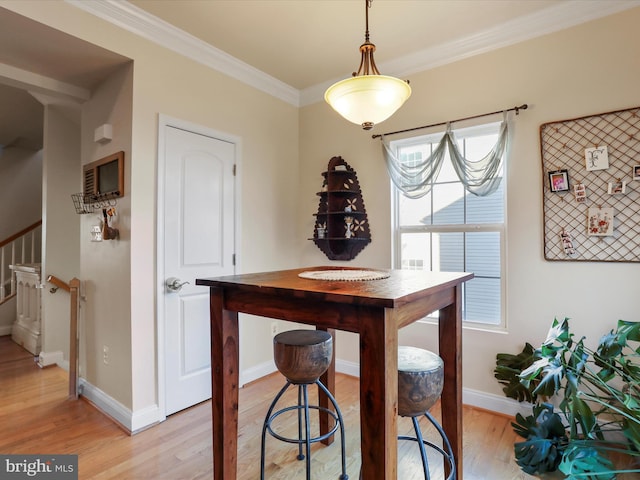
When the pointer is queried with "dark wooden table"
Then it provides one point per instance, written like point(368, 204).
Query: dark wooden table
point(375, 310)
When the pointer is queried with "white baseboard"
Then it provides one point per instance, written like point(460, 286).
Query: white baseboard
point(5, 330)
point(494, 403)
point(348, 368)
point(106, 404)
point(132, 422)
point(46, 359)
point(254, 373)
point(143, 419)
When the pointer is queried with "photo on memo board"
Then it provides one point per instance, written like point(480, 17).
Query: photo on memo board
point(600, 221)
point(619, 187)
point(580, 192)
point(596, 158)
point(559, 181)
point(636, 172)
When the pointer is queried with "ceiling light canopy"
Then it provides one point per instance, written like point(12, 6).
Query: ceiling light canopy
point(367, 98)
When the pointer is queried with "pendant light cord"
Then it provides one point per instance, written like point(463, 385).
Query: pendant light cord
point(367, 6)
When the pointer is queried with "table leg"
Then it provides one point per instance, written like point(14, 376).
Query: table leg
point(328, 379)
point(378, 394)
point(450, 350)
point(224, 382)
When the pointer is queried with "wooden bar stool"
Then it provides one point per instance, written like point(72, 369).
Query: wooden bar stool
point(302, 356)
point(420, 382)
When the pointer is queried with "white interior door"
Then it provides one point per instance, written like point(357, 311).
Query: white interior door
point(198, 242)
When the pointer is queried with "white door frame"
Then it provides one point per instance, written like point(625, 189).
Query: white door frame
point(167, 121)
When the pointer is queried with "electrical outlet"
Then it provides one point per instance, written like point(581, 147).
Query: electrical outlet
point(105, 355)
point(274, 329)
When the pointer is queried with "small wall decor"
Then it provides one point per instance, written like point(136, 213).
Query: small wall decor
point(596, 158)
point(108, 231)
point(103, 184)
point(600, 221)
point(580, 192)
point(601, 155)
point(104, 176)
point(341, 229)
point(567, 243)
point(559, 181)
point(96, 233)
point(348, 221)
point(619, 187)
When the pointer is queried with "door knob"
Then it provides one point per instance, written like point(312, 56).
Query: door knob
point(174, 284)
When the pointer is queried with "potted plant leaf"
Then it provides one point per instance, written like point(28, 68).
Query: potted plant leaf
point(585, 420)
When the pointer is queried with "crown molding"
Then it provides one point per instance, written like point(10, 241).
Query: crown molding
point(553, 19)
point(137, 21)
point(558, 17)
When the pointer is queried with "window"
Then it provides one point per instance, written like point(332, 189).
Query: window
point(450, 229)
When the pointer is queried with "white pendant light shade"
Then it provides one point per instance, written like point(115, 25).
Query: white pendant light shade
point(367, 99)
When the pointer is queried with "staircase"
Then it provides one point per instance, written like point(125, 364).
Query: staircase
point(23, 247)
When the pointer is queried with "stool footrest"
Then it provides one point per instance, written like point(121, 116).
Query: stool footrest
point(427, 443)
point(303, 441)
point(304, 425)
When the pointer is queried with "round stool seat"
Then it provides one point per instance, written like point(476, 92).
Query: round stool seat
point(302, 355)
point(420, 380)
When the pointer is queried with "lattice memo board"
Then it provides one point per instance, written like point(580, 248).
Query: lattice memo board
point(590, 198)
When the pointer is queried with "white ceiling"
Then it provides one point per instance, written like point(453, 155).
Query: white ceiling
point(291, 48)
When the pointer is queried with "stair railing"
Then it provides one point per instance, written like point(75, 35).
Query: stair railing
point(18, 248)
point(73, 287)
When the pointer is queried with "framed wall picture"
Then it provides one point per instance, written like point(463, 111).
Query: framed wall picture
point(559, 181)
point(104, 176)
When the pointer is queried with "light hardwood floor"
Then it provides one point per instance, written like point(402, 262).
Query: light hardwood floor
point(36, 417)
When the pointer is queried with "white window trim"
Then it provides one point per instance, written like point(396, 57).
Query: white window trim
point(500, 327)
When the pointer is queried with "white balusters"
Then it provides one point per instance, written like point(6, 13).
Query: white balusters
point(23, 247)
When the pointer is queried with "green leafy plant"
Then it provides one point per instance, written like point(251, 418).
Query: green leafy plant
point(596, 393)
point(508, 368)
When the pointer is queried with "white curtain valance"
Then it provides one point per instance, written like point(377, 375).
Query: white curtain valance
point(479, 177)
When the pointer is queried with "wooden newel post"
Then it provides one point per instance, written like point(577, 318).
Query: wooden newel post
point(74, 290)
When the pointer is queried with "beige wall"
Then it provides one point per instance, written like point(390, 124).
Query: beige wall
point(105, 266)
point(20, 189)
point(579, 71)
point(60, 223)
